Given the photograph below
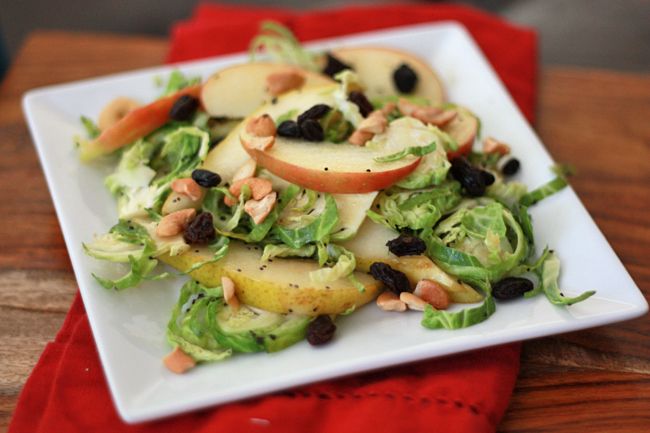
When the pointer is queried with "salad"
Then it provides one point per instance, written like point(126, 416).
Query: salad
point(295, 190)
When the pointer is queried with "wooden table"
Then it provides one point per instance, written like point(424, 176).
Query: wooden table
point(595, 380)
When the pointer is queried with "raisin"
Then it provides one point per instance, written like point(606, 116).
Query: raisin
point(200, 230)
point(488, 178)
point(311, 130)
point(206, 178)
point(314, 113)
point(320, 331)
point(184, 108)
point(334, 65)
point(406, 245)
point(394, 280)
point(360, 100)
point(511, 167)
point(469, 177)
point(289, 128)
point(511, 287)
point(405, 78)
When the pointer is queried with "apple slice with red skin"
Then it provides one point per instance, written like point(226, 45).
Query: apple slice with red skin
point(376, 65)
point(328, 167)
point(463, 129)
point(136, 124)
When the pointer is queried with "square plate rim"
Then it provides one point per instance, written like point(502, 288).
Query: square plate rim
point(132, 415)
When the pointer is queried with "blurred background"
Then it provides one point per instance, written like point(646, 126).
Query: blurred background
point(594, 33)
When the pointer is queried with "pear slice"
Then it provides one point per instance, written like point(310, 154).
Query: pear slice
point(375, 67)
point(280, 285)
point(237, 91)
point(369, 246)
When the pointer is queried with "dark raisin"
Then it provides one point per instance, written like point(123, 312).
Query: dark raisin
point(206, 178)
point(334, 65)
point(320, 331)
point(289, 128)
point(488, 178)
point(394, 280)
point(405, 78)
point(511, 287)
point(469, 177)
point(184, 108)
point(314, 113)
point(406, 245)
point(311, 130)
point(200, 230)
point(360, 100)
point(511, 167)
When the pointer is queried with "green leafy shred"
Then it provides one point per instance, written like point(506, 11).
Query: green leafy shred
point(282, 46)
point(177, 81)
point(219, 249)
point(549, 275)
point(92, 130)
point(271, 251)
point(557, 184)
point(412, 150)
point(438, 319)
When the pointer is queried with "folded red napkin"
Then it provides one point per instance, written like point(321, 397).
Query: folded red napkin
point(67, 391)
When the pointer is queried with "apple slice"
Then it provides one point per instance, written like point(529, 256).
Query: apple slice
point(463, 128)
point(280, 286)
point(369, 246)
point(136, 124)
point(375, 67)
point(329, 167)
point(237, 91)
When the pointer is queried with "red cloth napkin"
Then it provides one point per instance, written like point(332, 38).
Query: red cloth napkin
point(67, 391)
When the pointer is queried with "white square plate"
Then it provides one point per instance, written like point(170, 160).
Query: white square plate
point(129, 327)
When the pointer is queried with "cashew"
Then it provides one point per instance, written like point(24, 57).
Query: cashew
point(281, 82)
point(388, 301)
point(491, 145)
point(188, 187)
point(178, 361)
point(432, 293)
point(229, 295)
point(260, 209)
point(434, 116)
point(259, 187)
point(114, 111)
point(261, 126)
point(175, 222)
point(359, 138)
point(245, 171)
point(388, 108)
point(412, 301)
point(406, 107)
point(375, 123)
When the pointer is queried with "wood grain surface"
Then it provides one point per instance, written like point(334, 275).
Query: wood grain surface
point(594, 380)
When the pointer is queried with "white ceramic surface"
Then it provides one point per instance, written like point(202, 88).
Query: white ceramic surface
point(129, 326)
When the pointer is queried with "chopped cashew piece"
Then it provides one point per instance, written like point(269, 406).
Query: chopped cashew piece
point(406, 107)
point(491, 145)
point(261, 126)
point(260, 209)
point(388, 108)
point(246, 171)
point(375, 123)
point(412, 301)
point(388, 301)
point(434, 116)
point(188, 187)
point(281, 82)
point(359, 138)
point(432, 293)
point(175, 222)
point(229, 295)
point(114, 111)
point(259, 187)
point(258, 143)
point(178, 361)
